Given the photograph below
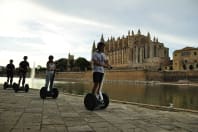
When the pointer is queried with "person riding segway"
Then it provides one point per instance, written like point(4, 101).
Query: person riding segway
point(23, 68)
point(97, 99)
point(50, 75)
point(10, 68)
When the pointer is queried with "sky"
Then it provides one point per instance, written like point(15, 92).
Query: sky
point(39, 28)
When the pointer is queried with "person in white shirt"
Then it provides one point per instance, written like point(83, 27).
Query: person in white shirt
point(99, 63)
point(50, 72)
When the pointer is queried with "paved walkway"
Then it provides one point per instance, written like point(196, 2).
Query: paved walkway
point(26, 112)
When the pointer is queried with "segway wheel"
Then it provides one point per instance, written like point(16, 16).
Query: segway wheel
point(90, 101)
point(5, 85)
point(106, 100)
point(55, 93)
point(26, 88)
point(43, 92)
point(15, 87)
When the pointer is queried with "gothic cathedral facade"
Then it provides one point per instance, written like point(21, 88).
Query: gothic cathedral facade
point(136, 51)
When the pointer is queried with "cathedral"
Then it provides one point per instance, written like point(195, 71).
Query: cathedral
point(136, 51)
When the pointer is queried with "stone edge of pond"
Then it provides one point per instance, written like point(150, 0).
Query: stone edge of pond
point(154, 107)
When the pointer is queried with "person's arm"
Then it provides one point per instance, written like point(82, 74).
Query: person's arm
point(97, 63)
point(47, 66)
point(28, 66)
point(20, 66)
point(54, 67)
point(105, 64)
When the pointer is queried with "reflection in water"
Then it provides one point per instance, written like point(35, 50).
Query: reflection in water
point(180, 96)
point(73, 88)
point(162, 95)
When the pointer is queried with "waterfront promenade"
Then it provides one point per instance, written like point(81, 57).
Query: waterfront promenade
point(26, 112)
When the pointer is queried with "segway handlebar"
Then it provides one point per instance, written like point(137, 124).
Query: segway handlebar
point(109, 67)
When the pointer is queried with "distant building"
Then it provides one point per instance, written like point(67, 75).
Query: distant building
point(70, 62)
point(136, 51)
point(185, 59)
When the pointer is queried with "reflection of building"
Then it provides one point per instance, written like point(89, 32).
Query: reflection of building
point(136, 51)
point(185, 59)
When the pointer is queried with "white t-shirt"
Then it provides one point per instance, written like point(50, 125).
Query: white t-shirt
point(101, 58)
point(51, 67)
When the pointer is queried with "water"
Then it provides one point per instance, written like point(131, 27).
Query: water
point(183, 96)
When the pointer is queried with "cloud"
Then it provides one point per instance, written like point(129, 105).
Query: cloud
point(39, 28)
point(35, 29)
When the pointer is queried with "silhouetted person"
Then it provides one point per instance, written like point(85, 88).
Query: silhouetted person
point(23, 68)
point(10, 68)
point(50, 72)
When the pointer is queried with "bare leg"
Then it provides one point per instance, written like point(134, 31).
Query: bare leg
point(51, 82)
point(47, 80)
point(8, 78)
point(95, 87)
point(98, 89)
point(23, 81)
point(11, 80)
point(19, 80)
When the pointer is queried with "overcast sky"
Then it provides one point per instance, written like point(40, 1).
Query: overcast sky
point(39, 28)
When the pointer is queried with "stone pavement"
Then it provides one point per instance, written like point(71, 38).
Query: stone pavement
point(26, 112)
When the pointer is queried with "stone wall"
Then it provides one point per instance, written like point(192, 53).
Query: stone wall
point(134, 75)
point(110, 75)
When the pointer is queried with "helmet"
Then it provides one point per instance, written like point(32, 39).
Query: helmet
point(25, 57)
point(51, 57)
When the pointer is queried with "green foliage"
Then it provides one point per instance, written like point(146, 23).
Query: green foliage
point(61, 64)
point(82, 64)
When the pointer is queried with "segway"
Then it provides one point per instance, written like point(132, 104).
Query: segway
point(92, 103)
point(44, 92)
point(6, 85)
point(17, 88)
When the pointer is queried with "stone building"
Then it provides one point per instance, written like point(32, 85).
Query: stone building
point(185, 59)
point(136, 51)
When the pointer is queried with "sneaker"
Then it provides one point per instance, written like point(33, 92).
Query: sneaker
point(97, 96)
point(101, 101)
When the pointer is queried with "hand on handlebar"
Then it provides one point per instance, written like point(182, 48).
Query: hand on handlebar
point(109, 67)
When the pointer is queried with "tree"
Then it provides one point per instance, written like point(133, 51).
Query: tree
point(61, 64)
point(82, 64)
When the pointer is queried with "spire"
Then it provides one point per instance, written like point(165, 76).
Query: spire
point(139, 33)
point(129, 33)
point(132, 33)
point(94, 46)
point(148, 35)
point(154, 39)
point(102, 38)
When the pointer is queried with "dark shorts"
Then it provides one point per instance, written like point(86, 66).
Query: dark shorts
point(97, 77)
point(22, 74)
point(10, 74)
